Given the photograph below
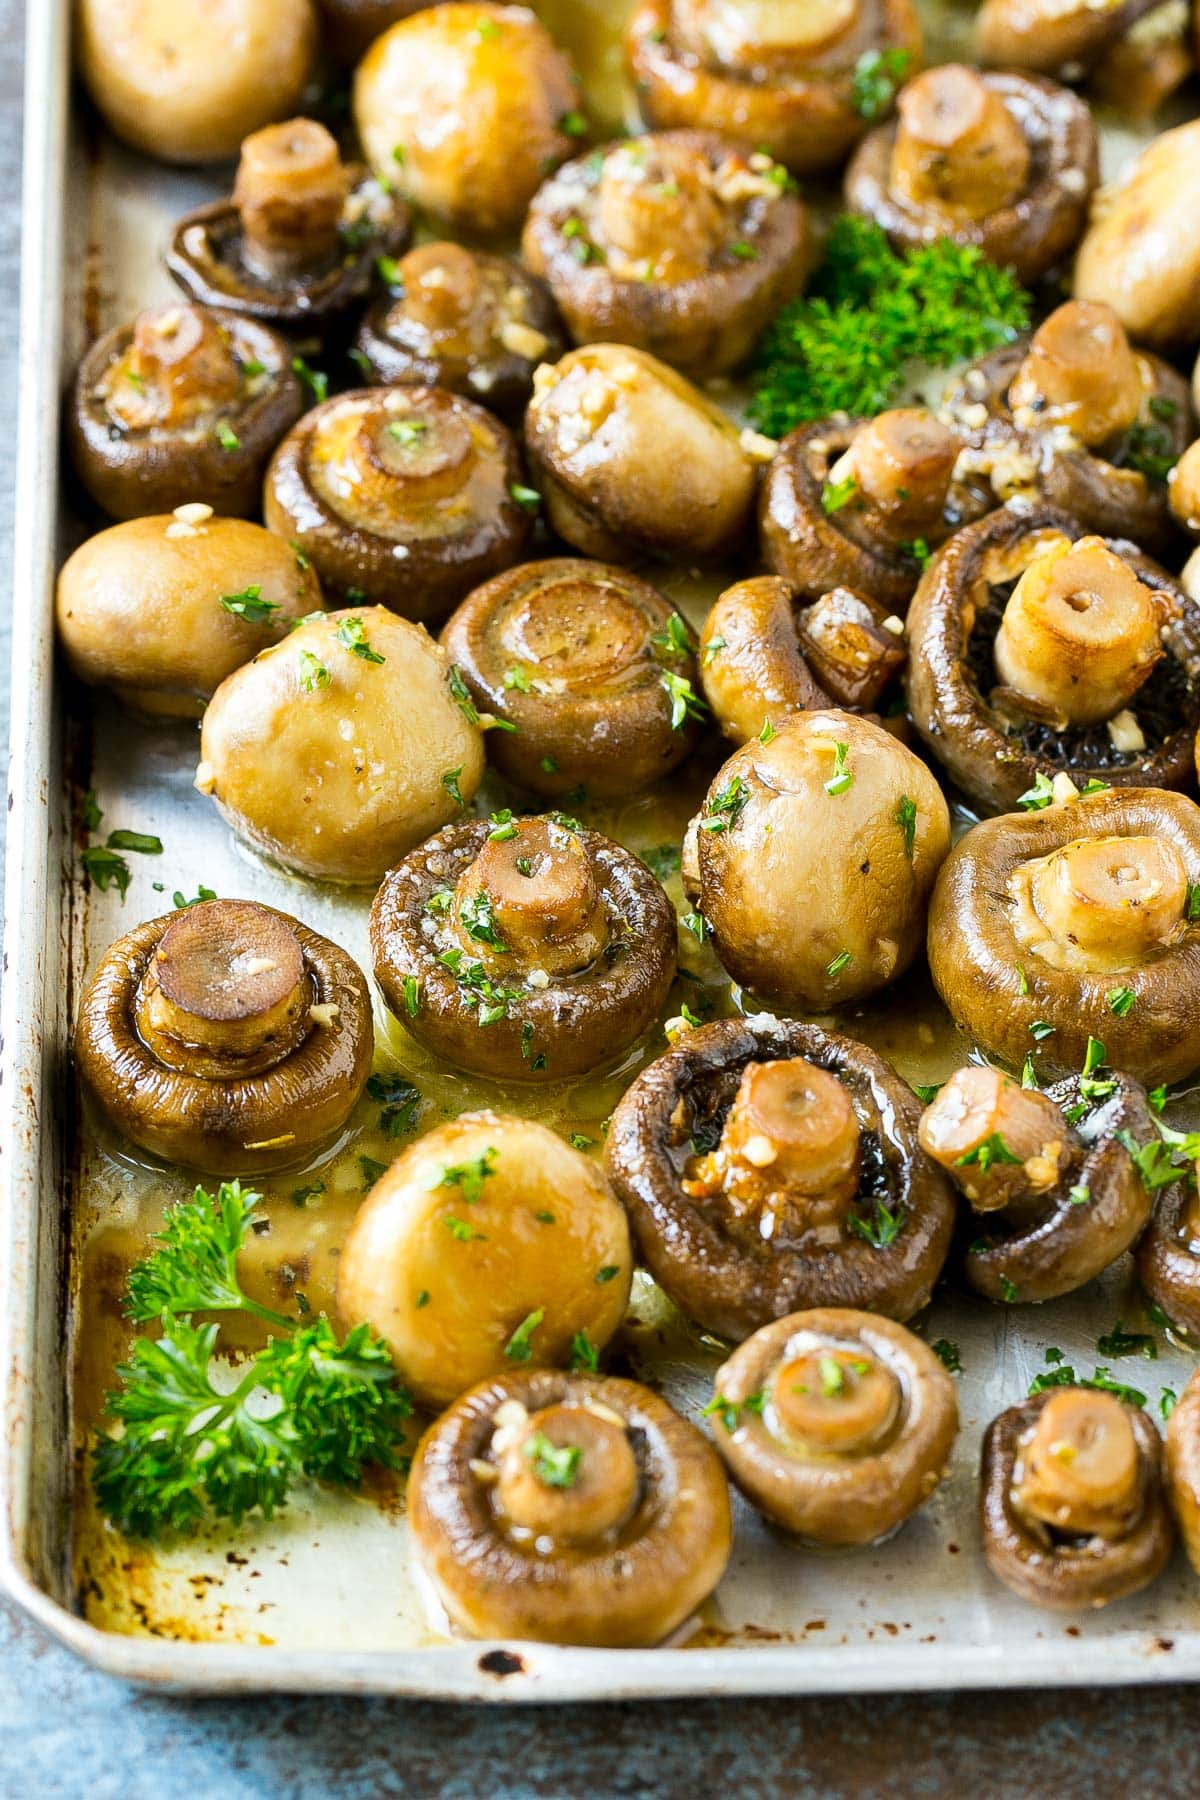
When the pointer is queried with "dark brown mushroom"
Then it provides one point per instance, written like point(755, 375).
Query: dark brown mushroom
point(295, 244)
point(1071, 927)
point(1050, 1176)
point(1004, 162)
point(568, 1510)
point(185, 404)
point(591, 668)
point(410, 495)
point(1183, 1468)
point(1133, 65)
point(835, 1424)
point(681, 242)
point(1072, 1500)
point(1036, 650)
point(459, 319)
point(351, 26)
point(780, 75)
point(769, 1166)
point(1168, 1254)
point(858, 503)
point(227, 1037)
point(523, 949)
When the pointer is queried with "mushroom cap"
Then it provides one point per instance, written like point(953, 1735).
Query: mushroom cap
point(352, 25)
point(1049, 39)
point(980, 968)
point(1141, 252)
point(1183, 1467)
point(858, 1497)
point(713, 1278)
point(634, 1587)
point(1081, 1573)
point(474, 1228)
point(750, 659)
point(287, 765)
point(272, 1119)
point(952, 626)
point(1168, 1256)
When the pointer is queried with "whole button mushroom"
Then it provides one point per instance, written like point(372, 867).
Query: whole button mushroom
point(1141, 252)
point(770, 1166)
point(1070, 929)
point(802, 80)
point(1183, 1468)
point(682, 243)
point(466, 108)
point(813, 857)
point(296, 242)
point(1003, 162)
point(1130, 60)
point(1036, 650)
point(342, 747)
point(567, 1510)
point(227, 1037)
point(487, 1244)
point(591, 667)
point(1072, 1499)
point(185, 404)
point(835, 1424)
point(523, 949)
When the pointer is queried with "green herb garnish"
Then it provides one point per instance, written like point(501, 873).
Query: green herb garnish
point(249, 604)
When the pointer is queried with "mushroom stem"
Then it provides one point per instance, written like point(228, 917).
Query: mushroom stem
point(901, 463)
point(290, 190)
point(531, 901)
point(1121, 898)
point(840, 1401)
point(178, 364)
point(658, 210)
point(1080, 633)
point(1079, 372)
point(1000, 1143)
point(376, 454)
point(442, 284)
point(567, 1472)
point(958, 148)
point(579, 630)
point(1078, 1471)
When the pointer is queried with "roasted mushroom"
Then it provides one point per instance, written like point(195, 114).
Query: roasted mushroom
point(1077, 417)
point(524, 949)
point(296, 242)
point(802, 80)
point(488, 1242)
point(162, 609)
point(568, 1510)
point(1183, 1468)
point(411, 495)
point(1132, 59)
point(1050, 1174)
point(342, 747)
point(681, 243)
point(1070, 929)
point(187, 83)
point(1183, 495)
point(590, 667)
point(857, 503)
point(228, 1037)
point(1035, 649)
point(1072, 1502)
point(633, 459)
point(1168, 1254)
point(813, 858)
point(769, 1166)
point(1141, 252)
point(467, 108)
point(1004, 162)
point(835, 1424)
point(459, 319)
point(186, 404)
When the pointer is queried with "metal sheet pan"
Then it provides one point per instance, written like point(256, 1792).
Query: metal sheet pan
point(322, 1600)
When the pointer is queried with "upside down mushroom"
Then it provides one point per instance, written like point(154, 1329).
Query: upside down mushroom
point(1134, 51)
point(1072, 1499)
point(1183, 1468)
point(835, 1424)
point(1168, 1253)
point(568, 1510)
point(770, 1166)
point(227, 1037)
point(1141, 251)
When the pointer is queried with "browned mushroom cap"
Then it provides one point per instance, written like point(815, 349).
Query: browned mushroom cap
point(1072, 1502)
point(184, 405)
point(835, 1424)
point(1168, 1254)
point(682, 243)
point(857, 503)
point(1051, 1172)
point(590, 666)
point(769, 1166)
point(1005, 162)
point(568, 1510)
point(1035, 650)
point(1141, 252)
point(526, 949)
point(778, 75)
point(1054, 929)
point(1183, 1467)
point(459, 319)
point(1049, 38)
point(352, 25)
point(228, 1037)
point(404, 493)
point(295, 243)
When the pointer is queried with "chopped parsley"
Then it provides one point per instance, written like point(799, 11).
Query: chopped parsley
point(352, 636)
point(685, 701)
point(726, 806)
point(398, 1101)
point(1119, 1342)
point(842, 777)
point(906, 819)
point(519, 1347)
point(836, 494)
point(880, 1231)
point(249, 604)
point(450, 783)
point(469, 1177)
point(525, 497)
point(585, 1357)
point(555, 1465)
point(877, 75)
point(412, 995)
point(143, 842)
point(947, 1353)
point(517, 678)
point(227, 437)
point(1039, 796)
point(841, 961)
point(106, 869)
point(987, 1155)
point(673, 643)
point(371, 1171)
point(314, 379)
point(1121, 1001)
point(663, 861)
point(313, 673)
point(460, 695)
point(478, 914)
